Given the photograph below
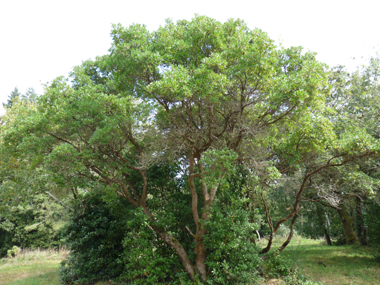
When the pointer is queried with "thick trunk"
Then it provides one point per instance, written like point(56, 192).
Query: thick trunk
point(360, 227)
point(346, 220)
point(175, 244)
point(200, 251)
point(323, 226)
point(181, 252)
point(208, 196)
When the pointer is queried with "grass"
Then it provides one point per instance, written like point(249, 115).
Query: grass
point(344, 264)
point(32, 267)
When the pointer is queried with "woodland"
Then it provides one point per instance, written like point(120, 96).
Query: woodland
point(183, 154)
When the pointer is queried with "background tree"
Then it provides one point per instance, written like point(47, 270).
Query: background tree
point(29, 96)
point(15, 94)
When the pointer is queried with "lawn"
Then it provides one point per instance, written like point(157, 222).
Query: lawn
point(38, 267)
point(335, 264)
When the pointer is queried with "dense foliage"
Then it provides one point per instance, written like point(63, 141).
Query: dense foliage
point(94, 234)
point(32, 225)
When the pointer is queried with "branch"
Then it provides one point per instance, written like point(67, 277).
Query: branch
point(190, 232)
point(283, 115)
point(290, 234)
point(270, 225)
point(57, 200)
point(63, 140)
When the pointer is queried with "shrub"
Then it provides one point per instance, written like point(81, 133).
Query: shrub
point(147, 259)
point(232, 257)
point(94, 235)
point(277, 265)
point(13, 252)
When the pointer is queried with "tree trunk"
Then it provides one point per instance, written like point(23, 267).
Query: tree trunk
point(200, 251)
point(323, 226)
point(360, 227)
point(346, 220)
point(174, 243)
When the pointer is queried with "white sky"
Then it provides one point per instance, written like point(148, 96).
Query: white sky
point(40, 40)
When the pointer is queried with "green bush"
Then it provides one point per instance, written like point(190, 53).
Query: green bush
point(232, 257)
point(94, 235)
point(277, 265)
point(147, 259)
point(111, 240)
point(13, 252)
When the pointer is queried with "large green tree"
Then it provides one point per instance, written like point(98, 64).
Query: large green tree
point(208, 94)
point(218, 86)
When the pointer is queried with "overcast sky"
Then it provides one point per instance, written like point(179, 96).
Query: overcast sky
point(40, 40)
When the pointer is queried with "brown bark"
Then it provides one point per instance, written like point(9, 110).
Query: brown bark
point(290, 234)
point(175, 244)
point(200, 250)
point(323, 226)
point(348, 229)
point(327, 236)
point(269, 220)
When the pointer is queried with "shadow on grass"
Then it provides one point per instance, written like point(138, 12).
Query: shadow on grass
point(334, 254)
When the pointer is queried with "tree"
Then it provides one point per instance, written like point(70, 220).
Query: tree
point(355, 98)
point(219, 86)
point(329, 164)
point(15, 94)
point(30, 96)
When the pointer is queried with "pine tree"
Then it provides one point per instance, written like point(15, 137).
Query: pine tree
point(12, 98)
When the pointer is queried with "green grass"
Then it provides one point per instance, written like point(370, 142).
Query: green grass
point(32, 267)
point(345, 264)
point(49, 278)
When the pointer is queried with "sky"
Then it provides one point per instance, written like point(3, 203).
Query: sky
point(41, 40)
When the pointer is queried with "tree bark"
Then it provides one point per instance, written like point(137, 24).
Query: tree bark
point(208, 198)
point(175, 244)
point(348, 229)
point(323, 226)
point(200, 251)
point(360, 226)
